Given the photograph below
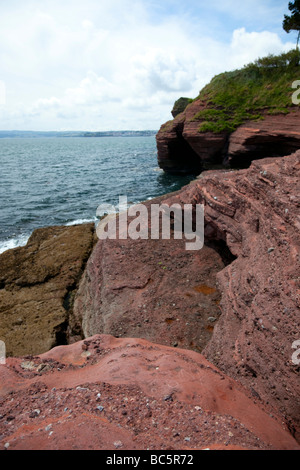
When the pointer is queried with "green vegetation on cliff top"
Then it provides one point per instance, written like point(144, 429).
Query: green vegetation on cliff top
point(180, 105)
point(262, 87)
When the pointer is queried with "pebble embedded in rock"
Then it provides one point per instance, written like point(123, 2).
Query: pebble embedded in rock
point(34, 413)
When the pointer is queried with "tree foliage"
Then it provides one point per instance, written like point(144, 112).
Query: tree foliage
point(292, 22)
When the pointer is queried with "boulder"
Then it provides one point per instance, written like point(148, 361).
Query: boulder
point(180, 105)
point(151, 289)
point(37, 287)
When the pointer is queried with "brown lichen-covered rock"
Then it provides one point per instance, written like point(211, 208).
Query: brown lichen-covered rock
point(128, 394)
point(37, 285)
point(256, 212)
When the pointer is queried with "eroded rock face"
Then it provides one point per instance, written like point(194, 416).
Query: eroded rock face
point(37, 286)
point(149, 288)
point(276, 136)
point(152, 289)
point(182, 148)
point(129, 394)
point(256, 211)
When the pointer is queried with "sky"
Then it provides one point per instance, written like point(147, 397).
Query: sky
point(99, 65)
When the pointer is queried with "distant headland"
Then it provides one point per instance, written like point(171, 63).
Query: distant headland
point(36, 134)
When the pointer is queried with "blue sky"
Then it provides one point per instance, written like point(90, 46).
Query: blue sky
point(121, 64)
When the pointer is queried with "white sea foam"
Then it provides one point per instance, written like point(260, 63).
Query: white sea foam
point(23, 239)
point(81, 222)
point(13, 243)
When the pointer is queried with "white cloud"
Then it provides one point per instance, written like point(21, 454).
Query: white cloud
point(104, 65)
point(162, 71)
point(248, 46)
point(47, 103)
point(91, 90)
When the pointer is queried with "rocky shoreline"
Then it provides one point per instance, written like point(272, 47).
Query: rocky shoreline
point(154, 346)
point(37, 287)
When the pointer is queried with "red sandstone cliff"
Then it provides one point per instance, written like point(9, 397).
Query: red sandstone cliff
point(159, 291)
point(183, 149)
point(256, 211)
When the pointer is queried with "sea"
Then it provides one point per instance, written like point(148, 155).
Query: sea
point(63, 180)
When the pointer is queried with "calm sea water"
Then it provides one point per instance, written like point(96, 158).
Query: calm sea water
point(62, 181)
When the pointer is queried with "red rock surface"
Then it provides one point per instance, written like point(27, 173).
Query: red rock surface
point(129, 394)
point(256, 211)
point(155, 290)
point(279, 135)
point(151, 289)
point(182, 148)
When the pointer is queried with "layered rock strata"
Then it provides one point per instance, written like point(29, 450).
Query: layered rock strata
point(157, 290)
point(183, 149)
point(256, 212)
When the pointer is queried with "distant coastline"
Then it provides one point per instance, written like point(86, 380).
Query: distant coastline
point(39, 134)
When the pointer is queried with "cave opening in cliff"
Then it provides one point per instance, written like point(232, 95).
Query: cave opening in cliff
point(184, 159)
point(260, 148)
